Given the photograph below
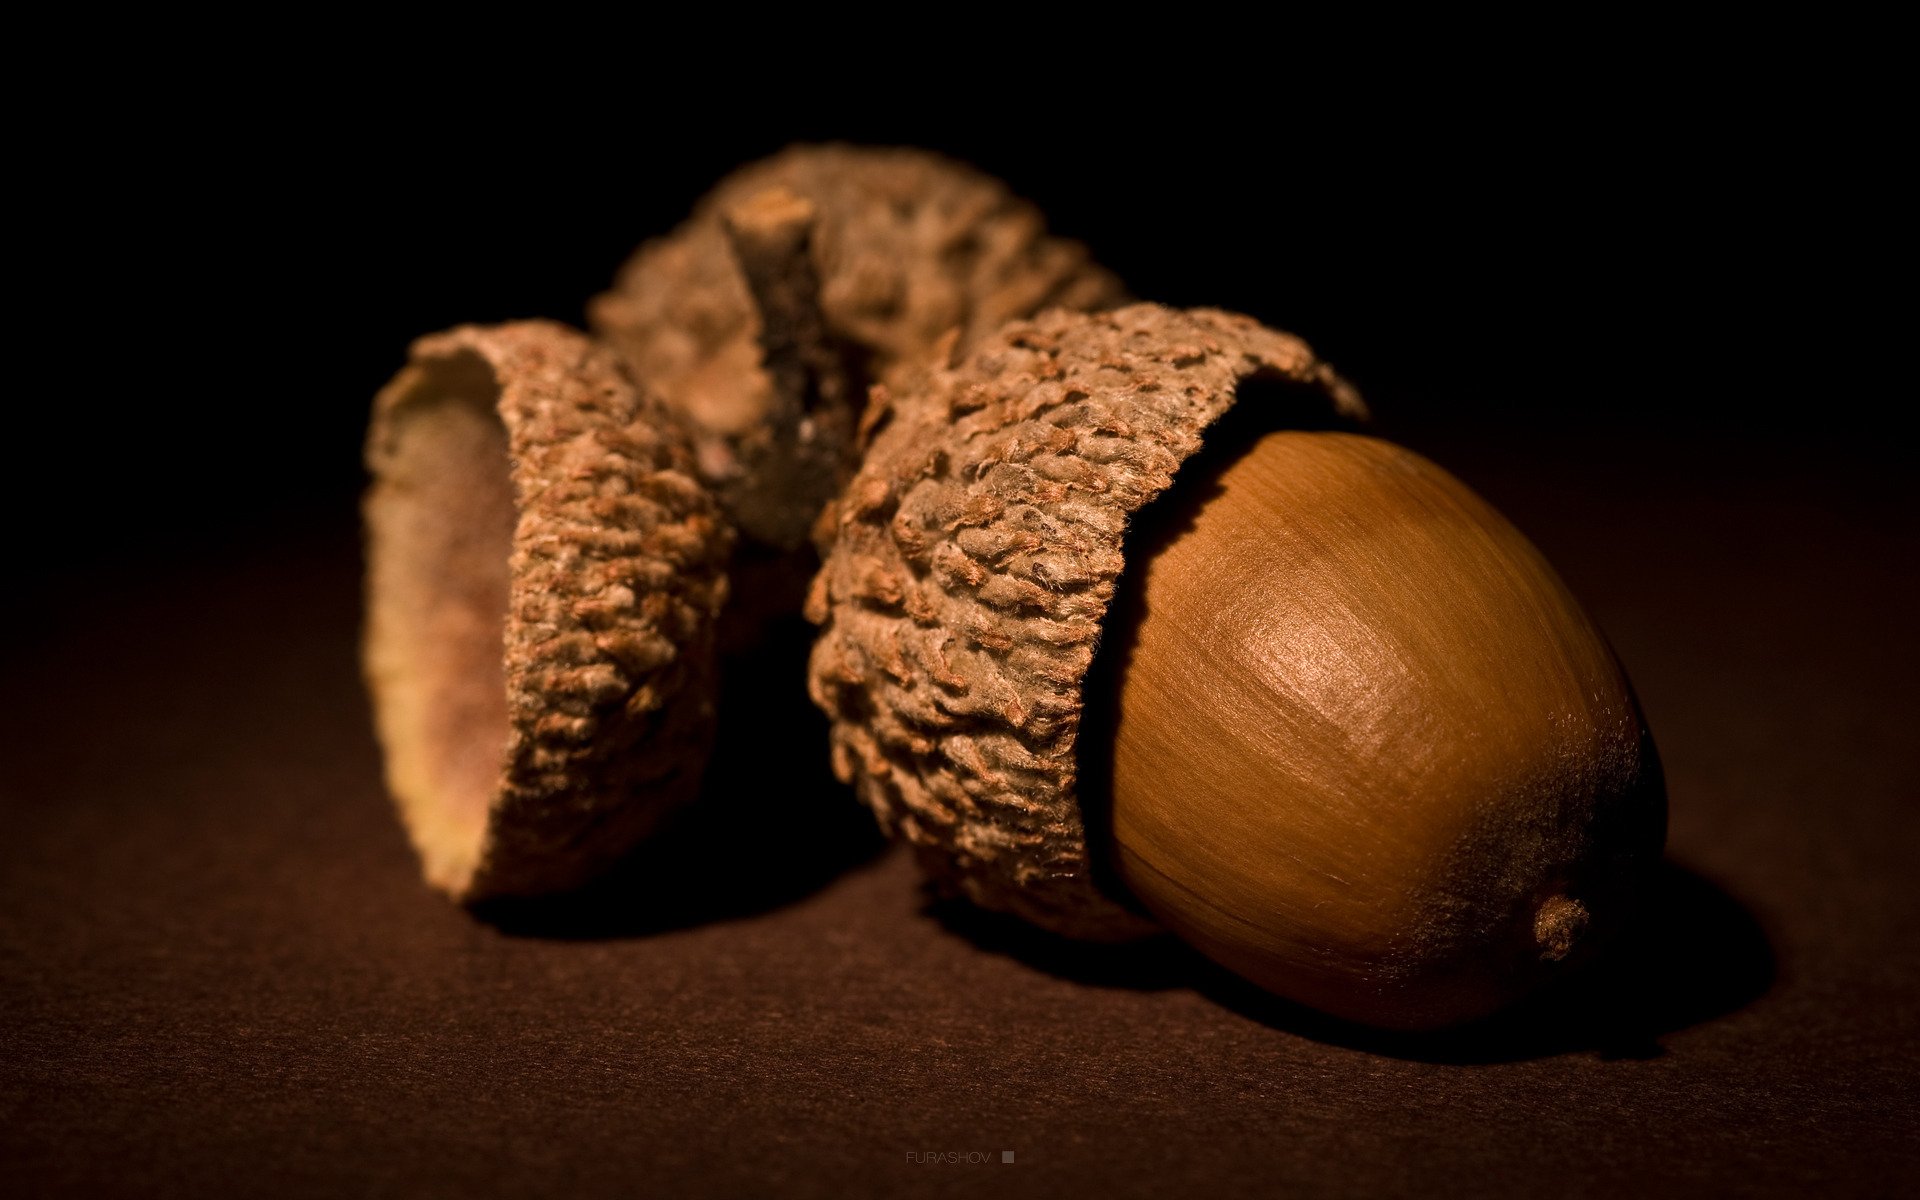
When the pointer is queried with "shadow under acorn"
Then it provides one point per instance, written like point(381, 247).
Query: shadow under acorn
point(770, 826)
point(1693, 954)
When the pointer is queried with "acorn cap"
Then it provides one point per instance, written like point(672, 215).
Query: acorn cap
point(978, 550)
point(802, 280)
point(544, 571)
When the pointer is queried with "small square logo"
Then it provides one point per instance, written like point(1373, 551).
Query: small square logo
point(1006, 1156)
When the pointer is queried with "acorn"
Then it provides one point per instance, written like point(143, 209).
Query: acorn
point(544, 576)
point(1301, 698)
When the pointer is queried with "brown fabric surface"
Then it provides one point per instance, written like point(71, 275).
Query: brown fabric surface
point(220, 973)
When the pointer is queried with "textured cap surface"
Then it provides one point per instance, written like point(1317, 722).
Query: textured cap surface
point(801, 280)
point(977, 554)
point(539, 654)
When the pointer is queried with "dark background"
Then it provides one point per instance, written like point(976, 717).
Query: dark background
point(1637, 296)
point(1675, 253)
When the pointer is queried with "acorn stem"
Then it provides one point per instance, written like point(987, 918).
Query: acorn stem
point(772, 240)
point(793, 463)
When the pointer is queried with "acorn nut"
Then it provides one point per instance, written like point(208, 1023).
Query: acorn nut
point(1347, 734)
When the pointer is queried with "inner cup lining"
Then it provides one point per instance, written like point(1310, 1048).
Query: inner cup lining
point(443, 555)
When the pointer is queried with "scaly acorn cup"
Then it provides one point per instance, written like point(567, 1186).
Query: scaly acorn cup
point(803, 280)
point(544, 571)
point(530, 501)
point(1350, 736)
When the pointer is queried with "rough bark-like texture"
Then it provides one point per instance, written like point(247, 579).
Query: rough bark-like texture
point(801, 280)
point(977, 553)
point(614, 582)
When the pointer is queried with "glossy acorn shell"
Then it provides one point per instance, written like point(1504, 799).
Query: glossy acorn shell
point(1368, 751)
